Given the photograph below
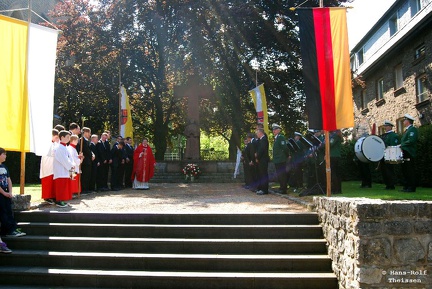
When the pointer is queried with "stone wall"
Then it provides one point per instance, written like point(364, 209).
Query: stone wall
point(378, 244)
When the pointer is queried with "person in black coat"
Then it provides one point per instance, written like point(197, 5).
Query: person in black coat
point(262, 160)
point(104, 154)
point(128, 167)
point(95, 162)
point(117, 166)
point(86, 165)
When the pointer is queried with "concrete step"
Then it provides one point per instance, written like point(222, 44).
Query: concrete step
point(169, 245)
point(173, 231)
point(157, 279)
point(305, 218)
point(110, 250)
point(171, 262)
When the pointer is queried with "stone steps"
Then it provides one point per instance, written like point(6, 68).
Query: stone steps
point(109, 250)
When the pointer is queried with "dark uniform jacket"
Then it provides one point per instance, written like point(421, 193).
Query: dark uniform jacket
point(409, 141)
point(280, 150)
point(390, 138)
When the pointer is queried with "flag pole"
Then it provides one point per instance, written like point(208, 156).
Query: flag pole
point(327, 147)
point(120, 97)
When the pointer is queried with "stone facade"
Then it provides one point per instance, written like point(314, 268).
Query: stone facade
point(378, 244)
point(384, 55)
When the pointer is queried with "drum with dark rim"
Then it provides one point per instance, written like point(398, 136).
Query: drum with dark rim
point(369, 149)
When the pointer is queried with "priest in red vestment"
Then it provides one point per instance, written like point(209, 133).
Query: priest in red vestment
point(143, 168)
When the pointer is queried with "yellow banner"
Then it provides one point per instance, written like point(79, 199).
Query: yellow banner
point(14, 127)
point(260, 102)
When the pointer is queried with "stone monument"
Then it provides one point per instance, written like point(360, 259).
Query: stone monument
point(193, 90)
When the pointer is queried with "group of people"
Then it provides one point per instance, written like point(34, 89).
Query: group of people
point(301, 156)
point(408, 146)
point(81, 165)
point(290, 157)
point(75, 165)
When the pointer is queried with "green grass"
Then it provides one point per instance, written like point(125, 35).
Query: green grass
point(349, 190)
point(29, 189)
point(353, 190)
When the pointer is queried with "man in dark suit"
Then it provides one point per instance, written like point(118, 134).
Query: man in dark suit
point(262, 160)
point(95, 162)
point(251, 150)
point(86, 165)
point(104, 153)
point(117, 166)
point(128, 167)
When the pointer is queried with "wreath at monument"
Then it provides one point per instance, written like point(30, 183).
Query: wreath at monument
point(191, 170)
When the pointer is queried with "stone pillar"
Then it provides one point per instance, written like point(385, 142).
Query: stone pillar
point(193, 91)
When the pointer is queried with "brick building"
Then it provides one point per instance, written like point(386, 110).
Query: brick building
point(393, 64)
point(41, 7)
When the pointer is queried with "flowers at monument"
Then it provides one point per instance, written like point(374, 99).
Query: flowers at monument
point(191, 170)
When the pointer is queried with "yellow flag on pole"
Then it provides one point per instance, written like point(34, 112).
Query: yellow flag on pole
point(126, 128)
point(260, 102)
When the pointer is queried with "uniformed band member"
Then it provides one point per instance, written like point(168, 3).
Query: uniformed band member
point(280, 156)
point(390, 138)
point(409, 150)
point(296, 165)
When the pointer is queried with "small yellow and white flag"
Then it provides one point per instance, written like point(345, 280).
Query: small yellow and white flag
point(126, 128)
point(260, 102)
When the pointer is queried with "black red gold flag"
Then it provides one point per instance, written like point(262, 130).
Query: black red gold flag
point(326, 67)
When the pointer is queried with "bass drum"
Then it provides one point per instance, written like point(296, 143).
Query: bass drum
point(369, 149)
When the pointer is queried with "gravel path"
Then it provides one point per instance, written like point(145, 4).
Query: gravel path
point(180, 198)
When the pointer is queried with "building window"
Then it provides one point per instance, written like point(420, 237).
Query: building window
point(400, 126)
point(360, 57)
point(398, 76)
point(381, 130)
point(380, 89)
point(422, 93)
point(393, 24)
point(363, 102)
point(420, 51)
point(415, 6)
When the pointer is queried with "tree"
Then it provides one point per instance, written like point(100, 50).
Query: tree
point(159, 44)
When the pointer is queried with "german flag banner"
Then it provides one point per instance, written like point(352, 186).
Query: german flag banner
point(326, 67)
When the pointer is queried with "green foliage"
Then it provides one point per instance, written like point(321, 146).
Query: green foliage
point(424, 156)
point(153, 46)
point(32, 165)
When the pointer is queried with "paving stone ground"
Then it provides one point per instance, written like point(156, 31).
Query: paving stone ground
point(180, 198)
